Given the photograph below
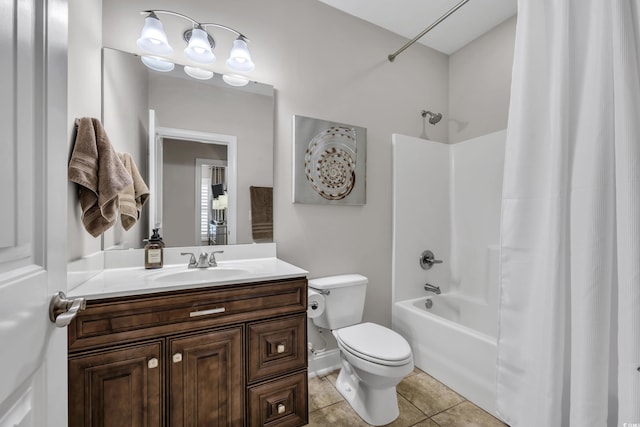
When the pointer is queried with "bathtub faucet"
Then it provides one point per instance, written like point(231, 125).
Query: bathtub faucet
point(432, 288)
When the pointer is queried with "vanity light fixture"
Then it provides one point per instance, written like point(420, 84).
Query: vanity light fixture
point(153, 38)
point(198, 73)
point(199, 48)
point(240, 59)
point(200, 43)
point(157, 64)
point(235, 80)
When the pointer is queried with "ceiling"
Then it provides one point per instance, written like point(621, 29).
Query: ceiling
point(409, 17)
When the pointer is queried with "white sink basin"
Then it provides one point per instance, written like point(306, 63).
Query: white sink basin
point(200, 275)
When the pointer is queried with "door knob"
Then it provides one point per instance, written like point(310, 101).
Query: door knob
point(62, 310)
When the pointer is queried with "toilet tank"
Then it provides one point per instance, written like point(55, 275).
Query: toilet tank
point(344, 300)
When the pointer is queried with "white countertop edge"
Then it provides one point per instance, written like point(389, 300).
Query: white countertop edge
point(131, 281)
point(135, 257)
point(84, 269)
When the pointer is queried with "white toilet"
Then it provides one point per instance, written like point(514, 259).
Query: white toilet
point(374, 358)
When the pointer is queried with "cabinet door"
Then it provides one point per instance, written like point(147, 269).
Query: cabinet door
point(117, 388)
point(206, 386)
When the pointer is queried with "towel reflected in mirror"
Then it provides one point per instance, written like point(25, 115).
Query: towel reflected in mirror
point(261, 213)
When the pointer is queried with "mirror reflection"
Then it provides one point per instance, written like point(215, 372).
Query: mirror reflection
point(206, 151)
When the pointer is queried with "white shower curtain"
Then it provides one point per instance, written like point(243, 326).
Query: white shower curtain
point(569, 339)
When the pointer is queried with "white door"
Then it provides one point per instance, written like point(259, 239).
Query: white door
point(33, 194)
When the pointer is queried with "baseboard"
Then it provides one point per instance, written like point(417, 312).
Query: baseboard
point(323, 362)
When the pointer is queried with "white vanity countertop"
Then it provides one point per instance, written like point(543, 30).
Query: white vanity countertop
point(128, 281)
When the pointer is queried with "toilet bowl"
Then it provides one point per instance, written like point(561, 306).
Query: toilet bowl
point(374, 358)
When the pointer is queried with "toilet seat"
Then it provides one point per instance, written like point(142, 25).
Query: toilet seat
point(375, 343)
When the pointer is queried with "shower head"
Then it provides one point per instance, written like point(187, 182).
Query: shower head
point(433, 117)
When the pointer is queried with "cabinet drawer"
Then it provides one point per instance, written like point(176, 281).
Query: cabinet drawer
point(276, 346)
point(281, 402)
point(128, 319)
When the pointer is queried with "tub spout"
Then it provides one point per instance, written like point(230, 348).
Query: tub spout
point(432, 288)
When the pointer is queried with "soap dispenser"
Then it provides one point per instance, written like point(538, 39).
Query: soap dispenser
point(153, 257)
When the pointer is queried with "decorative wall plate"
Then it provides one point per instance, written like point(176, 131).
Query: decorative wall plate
point(330, 162)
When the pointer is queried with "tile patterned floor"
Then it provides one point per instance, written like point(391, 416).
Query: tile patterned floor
point(423, 402)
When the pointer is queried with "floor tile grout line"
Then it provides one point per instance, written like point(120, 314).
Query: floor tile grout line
point(426, 415)
point(446, 409)
point(324, 407)
point(439, 412)
point(418, 409)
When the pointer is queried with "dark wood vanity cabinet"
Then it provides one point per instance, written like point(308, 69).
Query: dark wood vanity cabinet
point(205, 375)
point(220, 356)
point(119, 387)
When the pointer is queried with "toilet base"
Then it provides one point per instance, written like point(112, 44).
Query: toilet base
point(375, 406)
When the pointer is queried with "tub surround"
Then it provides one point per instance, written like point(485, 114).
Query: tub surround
point(464, 360)
point(462, 214)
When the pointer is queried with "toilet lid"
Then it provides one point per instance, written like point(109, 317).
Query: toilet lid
point(375, 343)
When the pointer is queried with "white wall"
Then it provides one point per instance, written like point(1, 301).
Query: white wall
point(480, 84)
point(84, 100)
point(325, 64)
point(125, 116)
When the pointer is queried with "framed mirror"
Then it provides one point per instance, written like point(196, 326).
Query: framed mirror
point(201, 131)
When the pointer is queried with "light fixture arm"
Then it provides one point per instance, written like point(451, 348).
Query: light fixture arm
point(200, 43)
point(194, 22)
point(169, 12)
point(224, 27)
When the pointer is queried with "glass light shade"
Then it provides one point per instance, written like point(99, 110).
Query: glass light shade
point(153, 39)
point(157, 64)
point(199, 49)
point(234, 80)
point(240, 58)
point(198, 73)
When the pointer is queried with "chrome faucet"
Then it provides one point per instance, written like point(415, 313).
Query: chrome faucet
point(427, 259)
point(431, 288)
point(212, 258)
point(204, 261)
point(192, 261)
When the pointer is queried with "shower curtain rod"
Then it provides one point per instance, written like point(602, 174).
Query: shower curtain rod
point(392, 57)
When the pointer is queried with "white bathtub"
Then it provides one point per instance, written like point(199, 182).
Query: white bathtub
point(461, 357)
